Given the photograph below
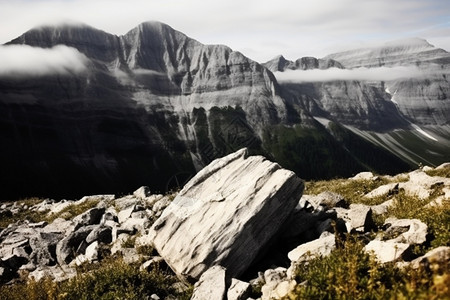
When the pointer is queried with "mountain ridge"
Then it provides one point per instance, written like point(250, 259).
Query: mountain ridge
point(156, 106)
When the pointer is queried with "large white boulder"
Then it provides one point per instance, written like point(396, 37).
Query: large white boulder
point(225, 215)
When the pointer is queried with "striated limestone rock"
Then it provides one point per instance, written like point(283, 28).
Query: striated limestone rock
point(211, 285)
point(238, 290)
point(411, 231)
point(319, 247)
point(226, 215)
point(387, 251)
point(358, 217)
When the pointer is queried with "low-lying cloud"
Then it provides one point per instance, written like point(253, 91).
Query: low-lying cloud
point(24, 60)
point(362, 74)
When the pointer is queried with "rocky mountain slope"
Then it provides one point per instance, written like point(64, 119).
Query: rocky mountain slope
point(394, 113)
point(152, 107)
point(242, 228)
point(143, 111)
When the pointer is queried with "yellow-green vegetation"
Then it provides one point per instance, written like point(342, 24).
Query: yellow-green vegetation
point(443, 172)
point(7, 217)
point(111, 279)
point(352, 190)
point(67, 213)
point(437, 217)
point(351, 273)
point(73, 210)
point(129, 242)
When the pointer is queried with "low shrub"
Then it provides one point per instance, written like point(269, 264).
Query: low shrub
point(351, 273)
point(111, 279)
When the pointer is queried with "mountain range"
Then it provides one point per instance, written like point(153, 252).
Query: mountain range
point(152, 107)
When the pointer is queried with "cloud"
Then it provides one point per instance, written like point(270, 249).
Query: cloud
point(308, 28)
point(362, 74)
point(24, 60)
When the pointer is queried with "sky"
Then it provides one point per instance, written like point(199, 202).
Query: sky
point(259, 29)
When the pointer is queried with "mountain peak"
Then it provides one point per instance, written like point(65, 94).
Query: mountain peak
point(394, 53)
point(409, 42)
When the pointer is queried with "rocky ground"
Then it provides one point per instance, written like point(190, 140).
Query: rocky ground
point(242, 228)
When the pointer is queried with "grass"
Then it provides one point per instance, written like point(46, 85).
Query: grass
point(111, 279)
point(348, 273)
point(7, 217)
point(437, 218)
point(353, 191)
point(351, 273)
point(444, 172)
point(73, 210)
point(67, 213)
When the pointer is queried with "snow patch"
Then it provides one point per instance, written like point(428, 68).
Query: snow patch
point(323, 121)
point(421, 131)
point(392, 95)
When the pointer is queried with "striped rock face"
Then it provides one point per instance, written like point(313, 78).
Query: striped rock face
point(226, 215)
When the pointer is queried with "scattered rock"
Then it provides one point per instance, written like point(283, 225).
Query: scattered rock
point(357, 218)
point(387, 189)
point(328, 200)
point(364, 176)
point(125, 202)
point(68, 246)
point(305, 223)
point(90, 255)
point(443, 166)
point(238, 290)
point(142, 192)
point(160, 205)
point(276, 285)
point(43, 247)
point(382, 208)
point(387, 251)
point(427, 168)
point(91, 217)
point(411, 231)
point(319, 247)
point(211, 285)
point(102, 234)
point(125, 214)
point(440, 256)
point(130, 255)
point(154, 262)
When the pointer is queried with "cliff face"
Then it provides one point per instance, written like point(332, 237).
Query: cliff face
point(279, 63)
point(154, 106)
point(399, 52)
point(423, 97)
point(406, 114)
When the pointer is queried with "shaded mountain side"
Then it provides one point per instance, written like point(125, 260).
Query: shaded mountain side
point(155, 106)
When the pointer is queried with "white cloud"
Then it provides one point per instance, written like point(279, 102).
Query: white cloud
point(290, 27)
point(23, 60)
point(363, 74)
